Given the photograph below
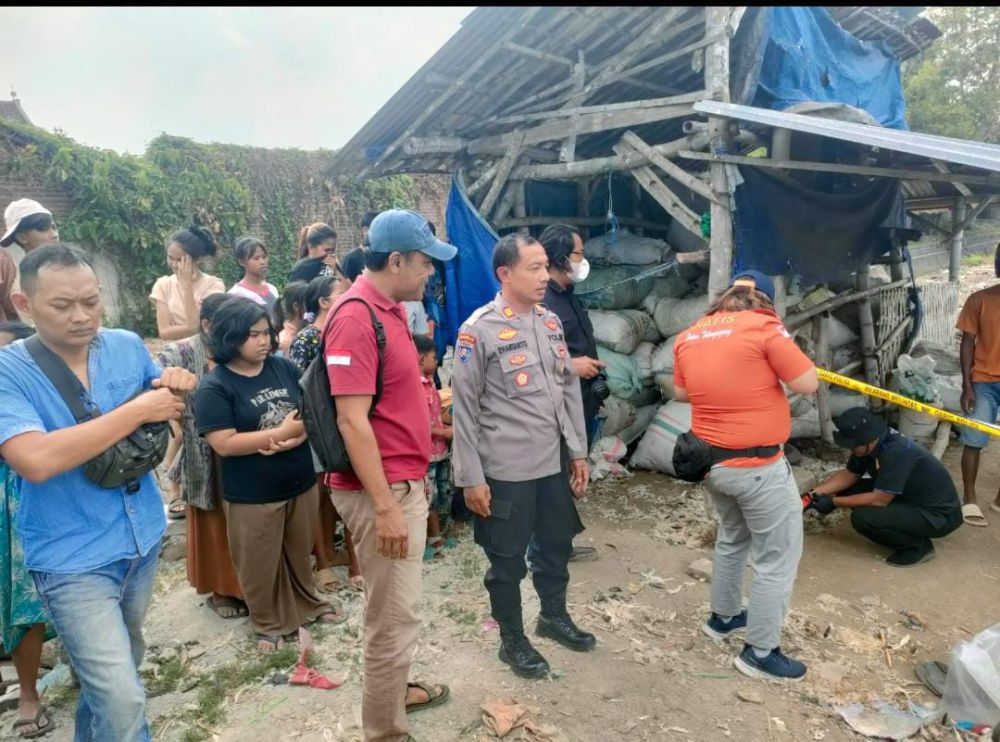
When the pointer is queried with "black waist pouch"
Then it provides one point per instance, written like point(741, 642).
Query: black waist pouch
point(692, 458)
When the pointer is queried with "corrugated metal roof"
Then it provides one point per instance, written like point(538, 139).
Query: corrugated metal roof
point(957, 151)
point(502, 81)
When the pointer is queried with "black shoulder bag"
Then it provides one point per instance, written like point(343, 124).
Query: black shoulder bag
point(317, 407)
point(123, 463)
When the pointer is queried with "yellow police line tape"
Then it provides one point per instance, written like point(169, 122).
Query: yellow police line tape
point(897, 399)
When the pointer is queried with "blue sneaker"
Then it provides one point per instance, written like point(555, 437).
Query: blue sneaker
point(718, 629)
point(776, 666)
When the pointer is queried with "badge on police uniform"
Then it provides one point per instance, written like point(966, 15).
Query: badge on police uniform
point(463, 349)
point(552, 324)
point(508, 312)
point(518, 360)
point(507, 333)
point(522, 379)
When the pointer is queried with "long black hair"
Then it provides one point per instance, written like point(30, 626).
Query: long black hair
point(318, 288)
point(231, 327)
point(293, 296)
point(196, 241)
point(557, 239)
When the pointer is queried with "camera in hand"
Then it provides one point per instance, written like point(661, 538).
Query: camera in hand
point(599, 386)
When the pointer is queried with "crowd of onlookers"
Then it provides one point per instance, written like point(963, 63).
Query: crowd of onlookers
point(262, 527)
point(267, 518)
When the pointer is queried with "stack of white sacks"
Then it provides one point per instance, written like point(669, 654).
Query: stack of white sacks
point(636, 323)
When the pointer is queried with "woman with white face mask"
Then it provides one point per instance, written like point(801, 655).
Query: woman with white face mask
point(567, 266)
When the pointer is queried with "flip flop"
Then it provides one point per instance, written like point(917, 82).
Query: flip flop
point(973, 515)
point(432, 700)
point(934, 675)
point(336, 610)
point(242, 611)
point(177, 509)
point(277, 642)
point(42, 729)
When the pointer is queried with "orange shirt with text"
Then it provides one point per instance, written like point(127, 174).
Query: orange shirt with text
point(731, 364)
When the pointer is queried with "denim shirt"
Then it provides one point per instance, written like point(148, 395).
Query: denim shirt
point(67, 523)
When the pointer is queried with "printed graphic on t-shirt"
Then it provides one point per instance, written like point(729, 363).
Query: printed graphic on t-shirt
point(275, 406)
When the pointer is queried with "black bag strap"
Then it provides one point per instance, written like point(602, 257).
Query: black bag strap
point(63, 379)
point(379, 343)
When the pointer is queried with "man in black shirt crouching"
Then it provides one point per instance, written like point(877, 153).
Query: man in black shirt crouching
point(907, 498)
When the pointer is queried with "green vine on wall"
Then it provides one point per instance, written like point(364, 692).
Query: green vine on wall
point(124, 206)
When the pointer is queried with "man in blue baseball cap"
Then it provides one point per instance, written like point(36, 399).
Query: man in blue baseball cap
point(382, 499)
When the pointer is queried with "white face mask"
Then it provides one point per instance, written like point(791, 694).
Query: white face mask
point(578, 272)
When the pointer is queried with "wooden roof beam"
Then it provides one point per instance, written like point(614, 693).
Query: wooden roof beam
point(666, 198)
point(537, 54)
point(587, 124)
point(512, 31)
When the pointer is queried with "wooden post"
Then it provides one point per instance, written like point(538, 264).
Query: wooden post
point(520, 204)
point(780, 295)
point(957, 238)
point(567, 152)
point(822, 337)
point(506, 165)
point(717, 84)
point(867, 321)
point(636, 191)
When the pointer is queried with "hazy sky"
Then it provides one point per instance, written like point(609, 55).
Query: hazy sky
point(270, 77)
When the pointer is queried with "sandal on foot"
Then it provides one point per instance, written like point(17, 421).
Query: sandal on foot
point(436, 695)
point(222, 602)
point(973, 515)
point(42, 722)
point(326, 581)
point(336, 615)
point(177, 509)
point(277, 642)
point(433, 552)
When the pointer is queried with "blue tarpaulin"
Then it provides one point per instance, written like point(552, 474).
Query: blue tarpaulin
point(469, 279)
point(791, 55)
point(823, 230)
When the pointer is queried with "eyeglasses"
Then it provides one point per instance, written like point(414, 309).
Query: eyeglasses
point(577, 252)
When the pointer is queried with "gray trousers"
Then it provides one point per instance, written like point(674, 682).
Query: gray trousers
point(760, 515)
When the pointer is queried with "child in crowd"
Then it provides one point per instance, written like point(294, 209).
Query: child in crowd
point(439, 487)
point(251, 256)
point(289, 314)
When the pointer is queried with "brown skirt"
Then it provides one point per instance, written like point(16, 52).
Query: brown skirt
point(270, 544)
point(209, 565)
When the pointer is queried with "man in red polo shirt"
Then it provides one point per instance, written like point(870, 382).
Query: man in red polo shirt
point(382, 501)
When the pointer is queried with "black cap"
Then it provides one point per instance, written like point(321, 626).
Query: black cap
point(858, 426)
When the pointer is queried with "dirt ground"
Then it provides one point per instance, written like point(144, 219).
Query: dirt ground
point(654, 676)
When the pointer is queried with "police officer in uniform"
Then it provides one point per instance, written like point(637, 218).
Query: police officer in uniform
point(519, 450)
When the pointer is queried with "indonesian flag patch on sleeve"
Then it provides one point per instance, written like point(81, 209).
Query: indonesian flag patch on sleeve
point(338, 357)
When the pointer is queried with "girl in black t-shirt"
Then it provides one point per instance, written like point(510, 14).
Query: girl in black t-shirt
point(246, 410)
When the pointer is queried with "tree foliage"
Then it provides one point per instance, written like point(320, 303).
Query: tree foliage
point(124, 206)
point(953, 88)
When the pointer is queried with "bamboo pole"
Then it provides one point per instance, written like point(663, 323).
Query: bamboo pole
point(868, 349)
point(821, 334)
point(605, 165)
point(720, 141)
point(829, 305)
point(672, 170)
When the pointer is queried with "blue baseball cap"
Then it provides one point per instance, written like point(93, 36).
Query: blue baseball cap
point(400, 230)
point(756, 280)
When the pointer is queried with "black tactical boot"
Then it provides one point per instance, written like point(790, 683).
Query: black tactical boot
point(524, 660)
point(562, 629)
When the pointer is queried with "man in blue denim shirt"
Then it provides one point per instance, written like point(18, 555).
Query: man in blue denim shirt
point(92, 551)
